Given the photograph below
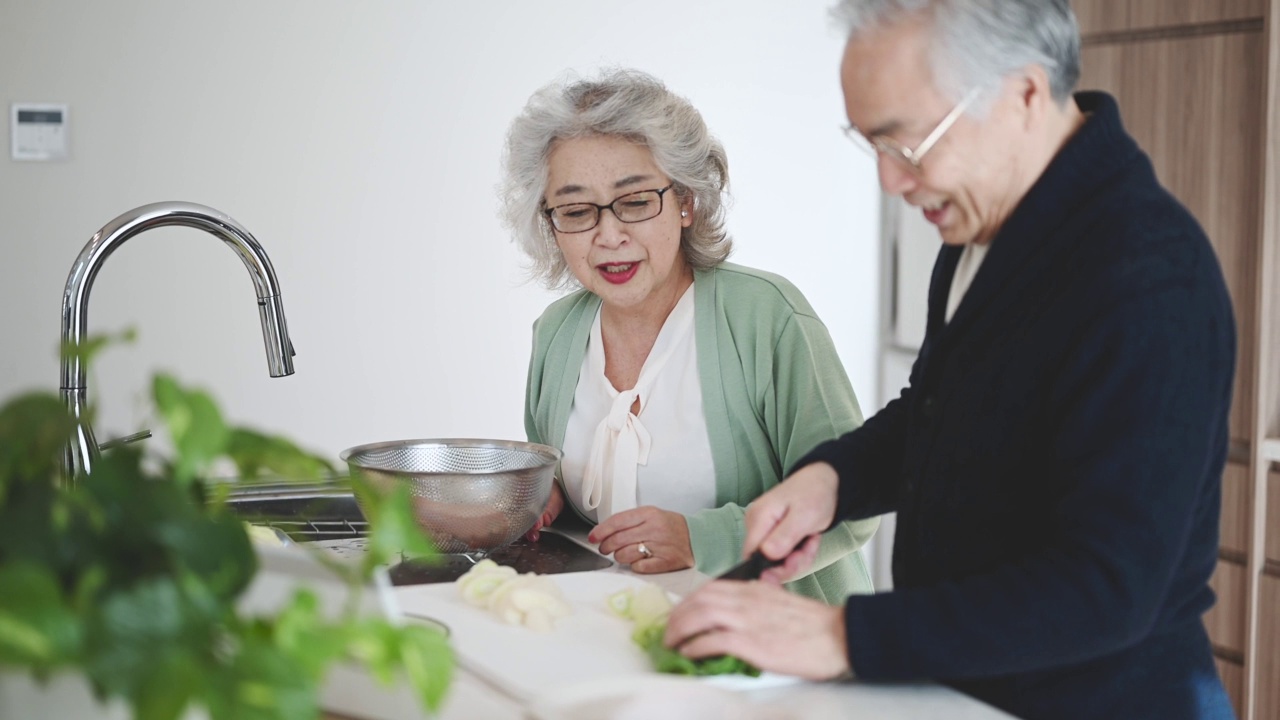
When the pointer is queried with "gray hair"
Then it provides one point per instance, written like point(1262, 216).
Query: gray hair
point(980, 42)
point(627, 104)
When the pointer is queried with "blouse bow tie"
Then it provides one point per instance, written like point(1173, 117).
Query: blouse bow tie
point(621, 443)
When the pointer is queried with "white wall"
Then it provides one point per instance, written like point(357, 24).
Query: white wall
point(359, 142)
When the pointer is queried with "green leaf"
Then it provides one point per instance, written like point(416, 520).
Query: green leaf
point(667, 660)
point(394, 531)
point(214, 547)
point(428, 662)
point(27, 529)
point(88, 585)
point(116, 516)
point(303, 634)
point(376, 646)
point(135, 626)
point(168, 688)
point(256, 455)
point(89, 348)
point(36, 625)
point(261, 683)
point(199, 433)
point(34, 429)
point(422, 653)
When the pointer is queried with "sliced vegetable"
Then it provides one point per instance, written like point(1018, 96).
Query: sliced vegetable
point(531, 600)
point(666, 660)
point(648, 607)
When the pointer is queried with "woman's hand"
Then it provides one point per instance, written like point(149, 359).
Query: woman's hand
point(765, 625)
point(555, 504)
point(664, 534)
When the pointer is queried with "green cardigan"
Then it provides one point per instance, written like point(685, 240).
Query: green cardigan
point(773, 388)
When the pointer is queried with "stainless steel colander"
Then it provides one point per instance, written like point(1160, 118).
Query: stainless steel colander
point(471, 496)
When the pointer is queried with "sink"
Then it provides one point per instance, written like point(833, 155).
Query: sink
point(326, 515)
point(306, 512)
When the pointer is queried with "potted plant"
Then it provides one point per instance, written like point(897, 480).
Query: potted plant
point(129, 577)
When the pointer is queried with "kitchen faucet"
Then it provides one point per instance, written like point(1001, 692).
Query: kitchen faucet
point(83, 450)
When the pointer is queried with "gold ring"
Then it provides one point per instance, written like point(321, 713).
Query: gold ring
point(644, 550)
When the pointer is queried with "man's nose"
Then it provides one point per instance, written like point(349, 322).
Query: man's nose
point(894, 178)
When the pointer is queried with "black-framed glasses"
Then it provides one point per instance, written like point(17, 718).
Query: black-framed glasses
point(630, 208)
point(906, 157)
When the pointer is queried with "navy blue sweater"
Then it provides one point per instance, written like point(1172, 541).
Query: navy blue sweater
point(1056, 459)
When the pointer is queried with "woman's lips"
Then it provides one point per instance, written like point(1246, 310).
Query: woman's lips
point(618, 273)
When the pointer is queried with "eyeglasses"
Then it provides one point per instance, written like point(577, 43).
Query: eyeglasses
point(908, 158)
point(630, 208)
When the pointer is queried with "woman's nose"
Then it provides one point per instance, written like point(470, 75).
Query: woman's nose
point(610, 231)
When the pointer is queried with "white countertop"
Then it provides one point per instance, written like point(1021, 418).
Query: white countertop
point(479, 692)
point(587, 668)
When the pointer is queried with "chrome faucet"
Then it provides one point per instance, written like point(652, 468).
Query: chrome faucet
point(83, 449)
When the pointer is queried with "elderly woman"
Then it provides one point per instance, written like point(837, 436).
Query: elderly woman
point(680, 387)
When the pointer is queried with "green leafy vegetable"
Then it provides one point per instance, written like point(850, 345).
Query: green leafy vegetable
point(648, 607)
point(666, 660)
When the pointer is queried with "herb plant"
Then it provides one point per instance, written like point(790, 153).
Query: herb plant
point(131, 574)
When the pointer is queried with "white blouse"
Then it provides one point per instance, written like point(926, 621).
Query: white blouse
point(615, 460)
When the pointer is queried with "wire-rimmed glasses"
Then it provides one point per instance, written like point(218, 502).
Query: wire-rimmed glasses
point(630, 208)
point(909, 159)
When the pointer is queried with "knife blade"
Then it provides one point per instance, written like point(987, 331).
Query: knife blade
point(755, 565)
point(751, 568)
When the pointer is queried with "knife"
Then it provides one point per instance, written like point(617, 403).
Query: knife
point(751, 568)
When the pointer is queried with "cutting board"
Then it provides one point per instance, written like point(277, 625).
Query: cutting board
point(590, 644)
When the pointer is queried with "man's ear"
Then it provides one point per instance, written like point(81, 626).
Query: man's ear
point(1033, 95)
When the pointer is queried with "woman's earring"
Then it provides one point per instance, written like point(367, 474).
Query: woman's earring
point(684, 213)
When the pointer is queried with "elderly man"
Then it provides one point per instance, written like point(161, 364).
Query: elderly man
point(1055, 461)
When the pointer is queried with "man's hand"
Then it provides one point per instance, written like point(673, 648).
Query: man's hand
point(662, 533)
point(802, 505)
point(796, 565)
point(763, 624)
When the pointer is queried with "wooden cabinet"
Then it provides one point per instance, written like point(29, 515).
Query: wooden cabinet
point(1198, 82)
point(1268, 672)
point(1193, 104)
point(1232, 675)
point(1273, 519)
point(1097, 17)
point(1234, 524)
point(1225, 621)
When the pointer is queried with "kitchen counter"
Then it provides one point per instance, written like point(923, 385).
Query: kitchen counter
point(477, 694)
point(510, 673)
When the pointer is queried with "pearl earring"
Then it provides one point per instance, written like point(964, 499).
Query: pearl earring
point(684, 213)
